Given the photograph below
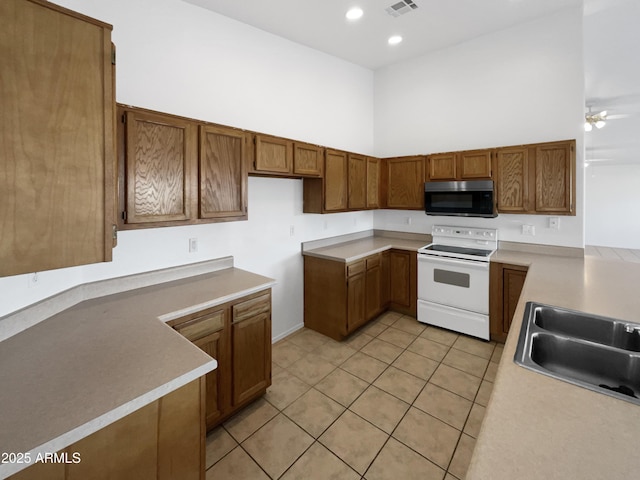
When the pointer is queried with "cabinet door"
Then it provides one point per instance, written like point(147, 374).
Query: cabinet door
point(160, 154)
point(372, 287)
point(57, 171)
point(335, 181)
point(385, 283)
point(442, 166)
point(273, 155)
point(209, 332)
point(373, 183)
point(251, 346)
point(555, 172)
point(405, 188)
point(513, 281)
point(357, 186)
point(216, 381)
point(355, 301)
point(400, 278)
point(474, 165)
point(512, 179)
point(223, 175)
point(307, 159)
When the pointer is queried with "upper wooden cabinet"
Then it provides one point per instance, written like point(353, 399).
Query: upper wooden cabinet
point(357, 182)
point(273, 155)
point(160, 153)
point(335, 181)
point(308, 160)
point(466, 165)
point(402, 182)
point(373, 182)
point(57, 173)
point(223, 175)
point(538, 178)
point(178, 171)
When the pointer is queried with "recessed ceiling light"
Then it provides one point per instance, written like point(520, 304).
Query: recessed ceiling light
point(354, 14)
point(394, 40)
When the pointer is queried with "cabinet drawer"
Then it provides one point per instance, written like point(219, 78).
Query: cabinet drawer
point(251, 308)
point(355, 268)
point(202, 326)
point(373, 261)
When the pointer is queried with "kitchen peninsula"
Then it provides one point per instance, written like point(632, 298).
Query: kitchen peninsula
point(97, 362)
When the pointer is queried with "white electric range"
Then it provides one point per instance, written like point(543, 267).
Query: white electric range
point(453, 279)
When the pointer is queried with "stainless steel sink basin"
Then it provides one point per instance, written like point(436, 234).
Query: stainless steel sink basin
point(571, 323)
point(594, 352)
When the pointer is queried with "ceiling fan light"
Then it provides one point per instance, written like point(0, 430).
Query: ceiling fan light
point(587, 127)
point(394, 40)
point(600, 123)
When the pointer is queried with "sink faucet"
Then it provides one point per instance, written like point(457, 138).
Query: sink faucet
point(632, 327)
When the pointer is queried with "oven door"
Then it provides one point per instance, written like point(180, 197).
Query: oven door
point(454, 282)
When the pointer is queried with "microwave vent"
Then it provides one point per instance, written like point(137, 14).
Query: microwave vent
point(400, 8)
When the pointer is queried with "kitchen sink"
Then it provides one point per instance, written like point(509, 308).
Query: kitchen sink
point(594, 352)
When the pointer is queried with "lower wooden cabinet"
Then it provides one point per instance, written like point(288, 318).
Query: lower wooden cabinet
point(341, 297)
point(163, 440)
point(238, 335)
point(506, 282)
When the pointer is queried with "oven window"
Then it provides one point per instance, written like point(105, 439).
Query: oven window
point(456, 279)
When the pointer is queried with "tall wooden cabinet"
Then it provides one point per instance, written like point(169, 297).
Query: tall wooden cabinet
point(238, 335)
point(57, 174)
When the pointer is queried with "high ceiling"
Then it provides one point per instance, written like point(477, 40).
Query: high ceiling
point(435, 24)
point(611, 40)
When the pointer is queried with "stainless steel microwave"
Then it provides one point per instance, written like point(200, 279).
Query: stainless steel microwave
point(463, 199)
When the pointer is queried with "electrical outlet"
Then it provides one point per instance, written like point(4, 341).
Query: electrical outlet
point(554, 222)
point(193, 245)
point(528, 230)
point(407, 220)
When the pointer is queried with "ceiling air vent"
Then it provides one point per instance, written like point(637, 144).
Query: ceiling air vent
point(400, 8)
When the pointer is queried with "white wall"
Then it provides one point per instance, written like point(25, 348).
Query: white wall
point(613, 205)
point(179, 58)
point(520, 85)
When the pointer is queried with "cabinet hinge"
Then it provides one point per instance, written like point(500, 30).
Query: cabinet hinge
point(124, 118)
point(124, 215)
point(113, 56)
point(114, 229)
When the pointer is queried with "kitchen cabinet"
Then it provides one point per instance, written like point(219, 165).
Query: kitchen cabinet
point(536, 179)
point(238, 335)
point(251, 346)
point(164, 440)
point(506, 283)
point(403, 281)
point(357, 182)
point(160, 157)
point(179, 171)
point(308, 160)
point(57, 174)
point(328, 194)
point(373, 182)
point(465, 165)
point(223, 175)
point(273, 155)
point(402, 185)
point(341, 297)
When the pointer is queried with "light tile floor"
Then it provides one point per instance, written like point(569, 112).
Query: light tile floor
point(395, 400)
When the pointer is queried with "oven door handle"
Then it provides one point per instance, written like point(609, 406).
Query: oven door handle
point(453, 261)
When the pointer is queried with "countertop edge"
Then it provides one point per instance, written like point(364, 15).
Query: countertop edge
point(88, 428)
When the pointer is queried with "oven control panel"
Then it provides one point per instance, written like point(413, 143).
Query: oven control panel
point(465, 232)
